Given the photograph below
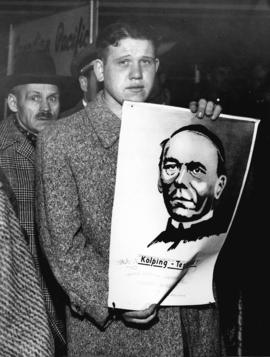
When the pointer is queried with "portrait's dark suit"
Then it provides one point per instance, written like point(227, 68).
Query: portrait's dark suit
point(195, 232)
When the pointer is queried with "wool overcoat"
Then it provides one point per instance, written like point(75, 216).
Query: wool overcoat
point(76, 163)
point(17, 159)
point(24, 325)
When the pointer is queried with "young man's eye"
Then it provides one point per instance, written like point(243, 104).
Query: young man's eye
point(146, 61)
point(123, 62)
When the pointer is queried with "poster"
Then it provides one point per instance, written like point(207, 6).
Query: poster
point(178, 185)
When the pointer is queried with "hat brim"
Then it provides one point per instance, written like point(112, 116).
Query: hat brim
point(87, 55)
point(61, 82)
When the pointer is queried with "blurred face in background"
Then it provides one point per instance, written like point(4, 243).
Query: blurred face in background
point(89, 85)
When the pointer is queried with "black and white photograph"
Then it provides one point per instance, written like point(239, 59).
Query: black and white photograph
point(134, 140)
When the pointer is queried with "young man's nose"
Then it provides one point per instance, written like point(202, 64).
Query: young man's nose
point(135, 71)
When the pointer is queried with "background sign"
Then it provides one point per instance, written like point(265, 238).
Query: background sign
point(63, 35)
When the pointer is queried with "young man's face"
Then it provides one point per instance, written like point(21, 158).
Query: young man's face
point(129, 71)
point(89, 85)
point(188, 177)
point(36, 105)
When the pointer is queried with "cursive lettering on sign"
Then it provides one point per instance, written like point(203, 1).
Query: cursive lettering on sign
point(73, 40)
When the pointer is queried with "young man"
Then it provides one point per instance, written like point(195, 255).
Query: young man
point(33, 92)
point(76, 165)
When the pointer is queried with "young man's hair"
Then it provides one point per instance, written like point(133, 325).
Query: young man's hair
point(113, 33)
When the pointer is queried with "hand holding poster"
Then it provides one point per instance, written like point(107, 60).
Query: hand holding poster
point(179, 182)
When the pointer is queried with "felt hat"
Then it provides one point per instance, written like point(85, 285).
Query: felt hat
point(83, 61)
point(35, 67)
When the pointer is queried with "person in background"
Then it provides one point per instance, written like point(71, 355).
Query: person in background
point(76, 169)
point(82, 69)
point(33, 92)
point(22, 333)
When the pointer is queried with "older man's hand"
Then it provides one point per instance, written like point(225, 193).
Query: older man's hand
point(204, 107)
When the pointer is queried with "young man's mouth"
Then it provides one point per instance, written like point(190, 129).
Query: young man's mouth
point(136, 89)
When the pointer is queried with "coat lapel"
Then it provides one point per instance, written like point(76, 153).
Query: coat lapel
point(11, 135)
point(105, 123)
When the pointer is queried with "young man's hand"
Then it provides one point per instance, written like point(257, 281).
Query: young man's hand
point(204, 107)
point(140, 316)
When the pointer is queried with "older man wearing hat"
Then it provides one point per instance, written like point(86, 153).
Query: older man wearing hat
point(33, 92)
point(82, 69)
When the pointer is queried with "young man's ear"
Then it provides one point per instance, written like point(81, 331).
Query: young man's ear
point(220, 185)
point(99, 70)
point(12, 102)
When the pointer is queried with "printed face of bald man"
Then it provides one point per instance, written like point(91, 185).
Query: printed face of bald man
point(188, 176)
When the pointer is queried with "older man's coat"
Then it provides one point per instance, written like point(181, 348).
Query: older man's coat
point(24, 325)
point(17, 159)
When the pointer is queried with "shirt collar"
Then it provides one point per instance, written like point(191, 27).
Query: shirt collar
point(186, 225)
point(28, 134)
point(84, 102)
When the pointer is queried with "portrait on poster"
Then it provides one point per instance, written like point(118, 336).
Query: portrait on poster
point(179, 182)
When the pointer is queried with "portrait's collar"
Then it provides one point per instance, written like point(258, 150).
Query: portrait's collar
point(187, 225)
